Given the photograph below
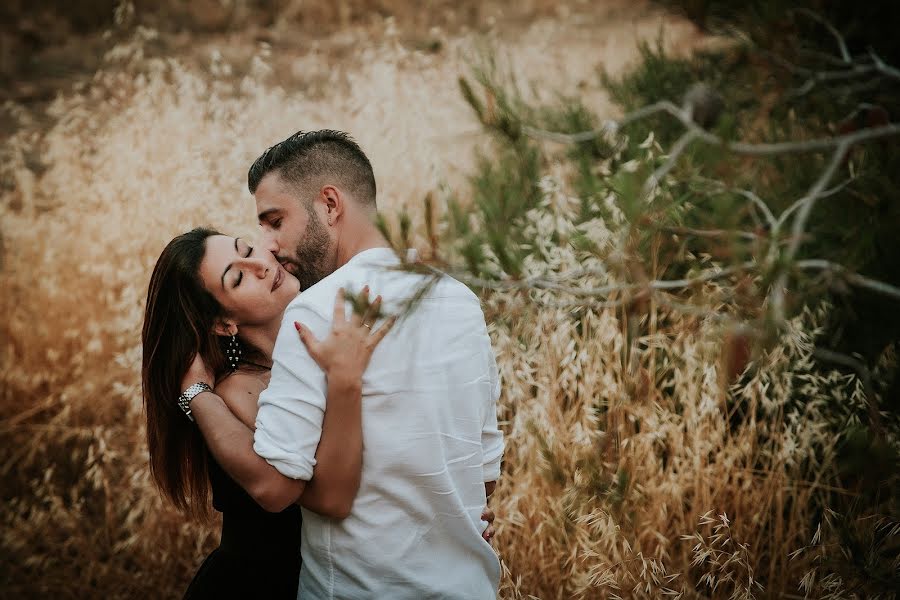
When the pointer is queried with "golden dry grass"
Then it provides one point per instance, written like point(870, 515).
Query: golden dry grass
point(621, 435)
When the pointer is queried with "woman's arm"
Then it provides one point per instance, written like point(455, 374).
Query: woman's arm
point(231, 443)
point(336, 475)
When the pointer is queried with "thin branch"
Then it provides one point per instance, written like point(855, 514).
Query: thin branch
point(851, 277)
point(682, 283)
point(710, 233)
point(767, 212)
point(546, 284)
point(789, 210)
point(803, 212)
point(677, 150)
point(813, 145)
point(823, 56)
point(883, 67)
point(805, 206)
point(721, 188)
point(762, 149)
point(842, 45)
point(826, 76)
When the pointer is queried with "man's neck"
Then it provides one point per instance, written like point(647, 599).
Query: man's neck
point(365, 237)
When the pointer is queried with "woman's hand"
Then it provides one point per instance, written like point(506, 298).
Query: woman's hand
point(345, 353)
point(488, 515)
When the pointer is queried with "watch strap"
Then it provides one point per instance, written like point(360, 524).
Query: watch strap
point(184, 400)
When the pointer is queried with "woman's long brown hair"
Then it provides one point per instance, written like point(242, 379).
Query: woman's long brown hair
point(178, 324)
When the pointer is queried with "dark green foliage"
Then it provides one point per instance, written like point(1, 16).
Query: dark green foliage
point(701, 211)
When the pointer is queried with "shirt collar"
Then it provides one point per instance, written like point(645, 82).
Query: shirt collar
point(379, 256)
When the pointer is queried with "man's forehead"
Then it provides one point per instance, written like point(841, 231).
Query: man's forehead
point(271, 193)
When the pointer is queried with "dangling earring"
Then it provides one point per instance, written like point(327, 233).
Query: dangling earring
point(233, 353)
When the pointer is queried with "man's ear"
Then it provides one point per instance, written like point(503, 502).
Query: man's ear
point(333, 198)
point(225, 327)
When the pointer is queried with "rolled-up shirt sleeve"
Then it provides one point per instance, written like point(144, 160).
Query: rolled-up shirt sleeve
point(491, 437)
point(292, 407)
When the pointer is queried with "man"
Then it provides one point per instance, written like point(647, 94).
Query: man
point(431, 446)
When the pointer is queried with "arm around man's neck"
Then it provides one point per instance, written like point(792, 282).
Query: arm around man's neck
point(231, 443)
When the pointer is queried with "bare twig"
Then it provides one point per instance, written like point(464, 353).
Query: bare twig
point(851, 277)
point(804, 209)
point(603, 291)
point(882, 67)
point(759, 203)
point(823, 56)
point(842, 45)
point(809, 201)
point(762, 149)
point(710, 233)
point(678, 149)
point(789, 210)
point(827, 76)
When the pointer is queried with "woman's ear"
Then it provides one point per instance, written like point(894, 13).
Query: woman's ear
point(225, 327)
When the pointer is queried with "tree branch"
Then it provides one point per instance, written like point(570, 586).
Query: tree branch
point(710, 233)
point(842, 45)
point(761, 149)
point(883, 67)
point(851, 277)
point(603, 291)
point(804, 209)
point(677, 150)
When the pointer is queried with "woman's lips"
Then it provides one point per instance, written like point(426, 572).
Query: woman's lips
point(279, 277)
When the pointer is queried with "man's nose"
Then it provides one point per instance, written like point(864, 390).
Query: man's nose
point(268, 241)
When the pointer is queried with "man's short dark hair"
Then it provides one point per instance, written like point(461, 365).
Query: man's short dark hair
point(308, 156)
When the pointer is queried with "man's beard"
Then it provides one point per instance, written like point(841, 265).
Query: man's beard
point(312, 258)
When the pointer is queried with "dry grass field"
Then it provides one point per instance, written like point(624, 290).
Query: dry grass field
point(628, 471)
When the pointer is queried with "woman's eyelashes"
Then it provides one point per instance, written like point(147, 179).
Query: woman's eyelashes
point(240, 276)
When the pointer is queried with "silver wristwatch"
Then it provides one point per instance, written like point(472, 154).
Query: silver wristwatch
point(184, 400)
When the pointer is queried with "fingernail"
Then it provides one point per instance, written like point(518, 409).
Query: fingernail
point(296, 325)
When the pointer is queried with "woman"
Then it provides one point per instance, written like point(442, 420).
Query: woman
point(215, 306)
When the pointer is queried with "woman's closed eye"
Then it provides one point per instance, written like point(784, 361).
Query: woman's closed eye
point(240, 276)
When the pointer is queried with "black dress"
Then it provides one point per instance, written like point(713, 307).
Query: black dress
point(259, 555)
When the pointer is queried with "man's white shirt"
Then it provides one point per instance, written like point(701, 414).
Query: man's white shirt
point(430, 441)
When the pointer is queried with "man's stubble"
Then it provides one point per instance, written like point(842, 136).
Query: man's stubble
point(313, 257)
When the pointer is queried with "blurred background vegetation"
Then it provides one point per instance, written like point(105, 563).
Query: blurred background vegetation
point(685, 442)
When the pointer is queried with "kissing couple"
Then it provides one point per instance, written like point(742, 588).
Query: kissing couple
point(384, 432)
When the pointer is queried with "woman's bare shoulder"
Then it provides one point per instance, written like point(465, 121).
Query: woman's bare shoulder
point(238, 386)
